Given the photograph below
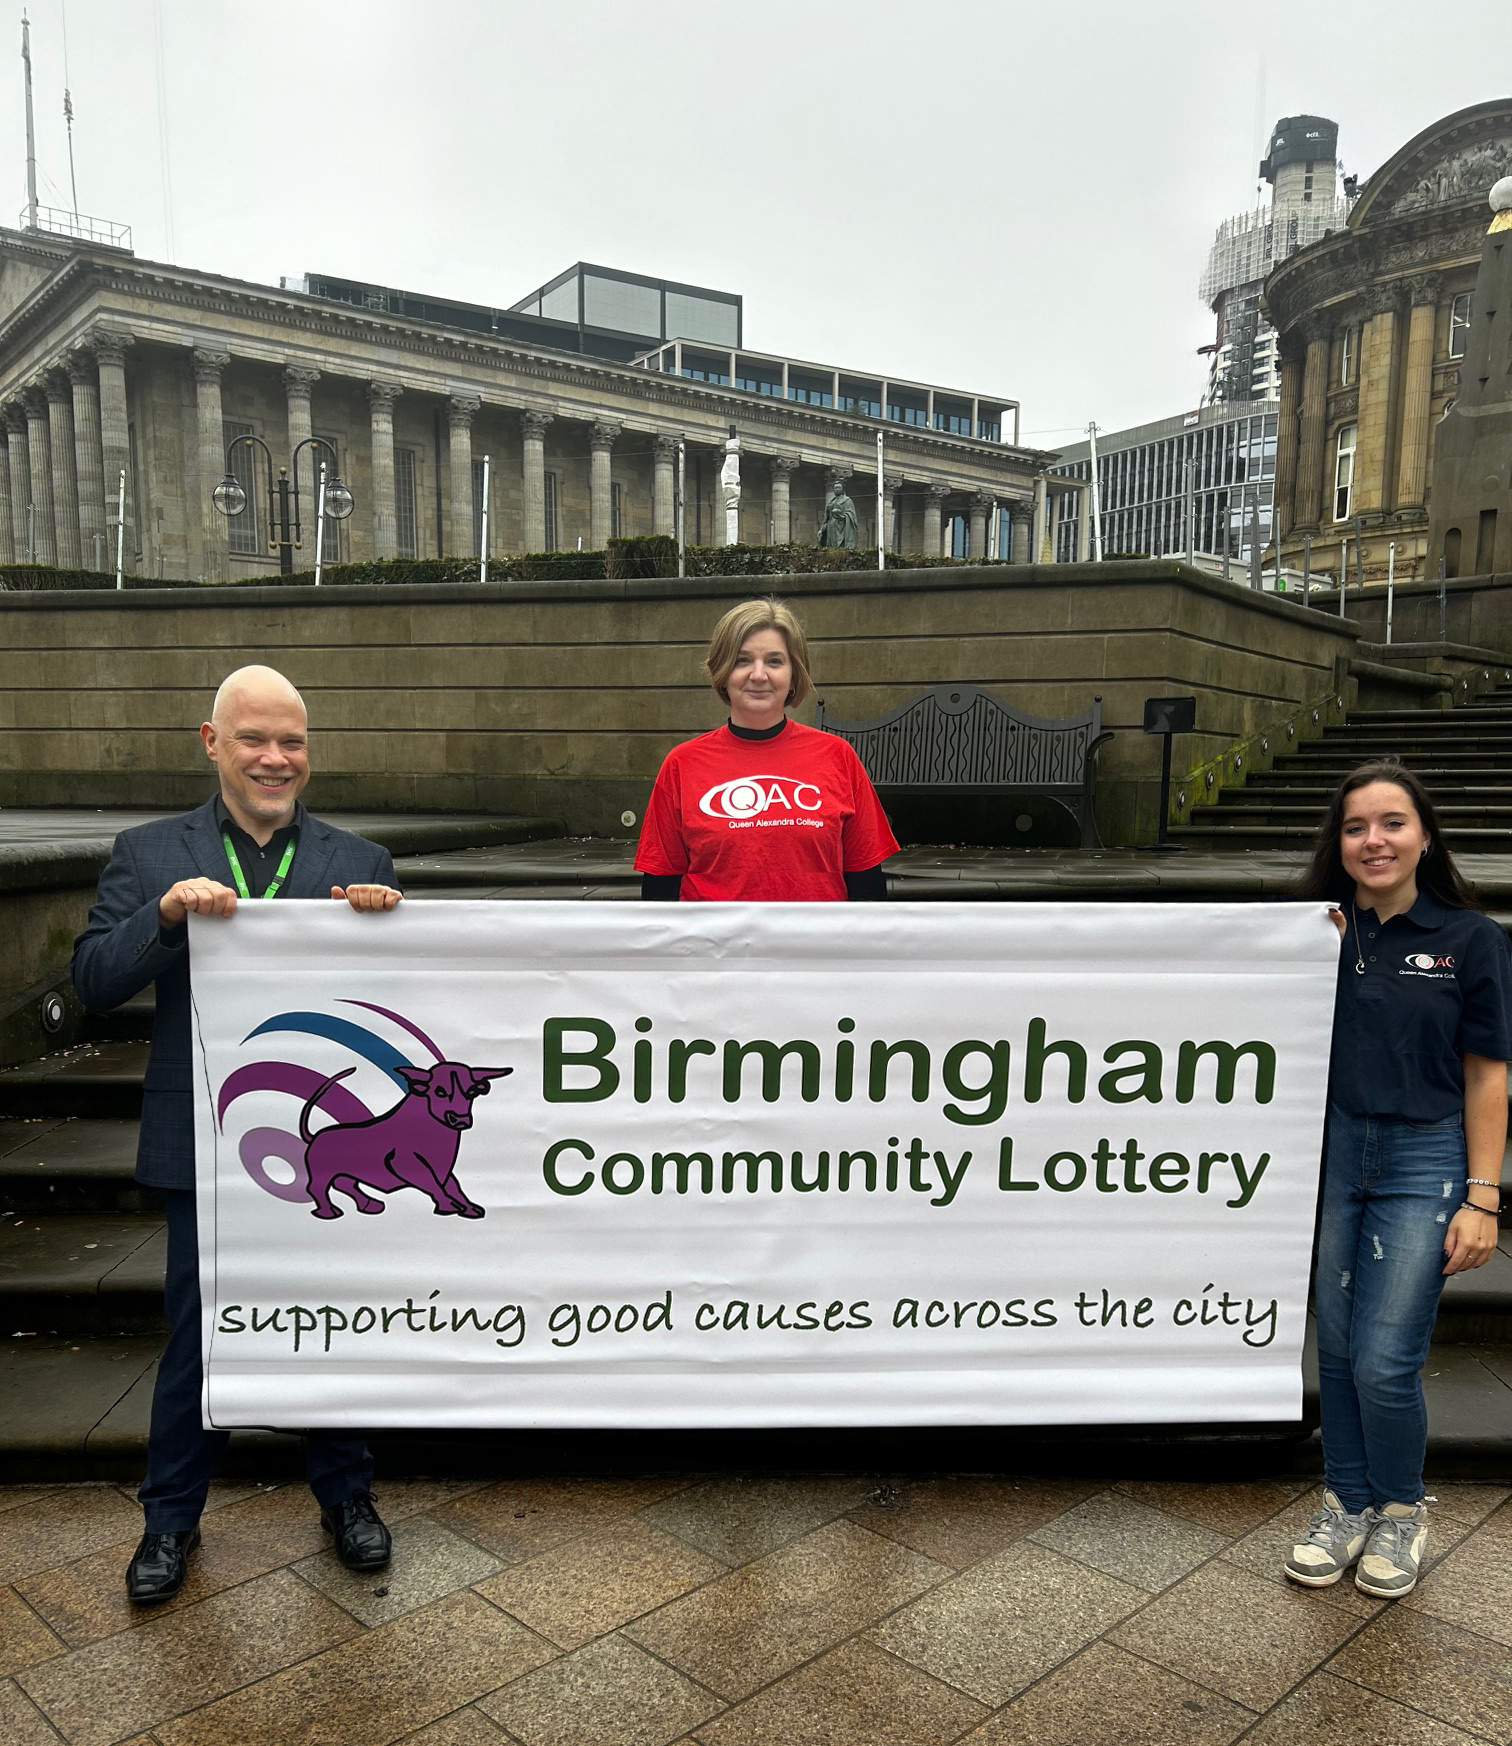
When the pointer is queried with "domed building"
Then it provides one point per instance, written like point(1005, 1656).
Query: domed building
point(1375, 322)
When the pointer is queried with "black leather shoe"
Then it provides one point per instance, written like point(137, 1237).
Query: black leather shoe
point(157, 1571)
point(362, 1541)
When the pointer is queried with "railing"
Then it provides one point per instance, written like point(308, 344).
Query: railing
point(64, 223)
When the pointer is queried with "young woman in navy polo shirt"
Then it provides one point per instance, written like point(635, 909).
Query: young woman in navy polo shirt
point(1417, 1124)
point(763, 809)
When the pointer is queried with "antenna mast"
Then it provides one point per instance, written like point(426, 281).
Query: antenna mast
point(73, 182)
point(31, 133)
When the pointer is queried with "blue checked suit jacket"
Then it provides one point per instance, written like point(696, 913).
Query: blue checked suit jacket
point(123, 948)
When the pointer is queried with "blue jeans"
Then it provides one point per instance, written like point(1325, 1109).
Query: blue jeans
point(1390, 1189)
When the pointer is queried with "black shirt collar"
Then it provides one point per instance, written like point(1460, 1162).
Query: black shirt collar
point(770, 733)
point(1426, 912)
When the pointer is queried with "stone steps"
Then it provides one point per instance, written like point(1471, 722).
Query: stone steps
point(79, 1410)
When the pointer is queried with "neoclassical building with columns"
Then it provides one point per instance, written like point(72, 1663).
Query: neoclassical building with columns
point(112, 363)
point(1374, 325)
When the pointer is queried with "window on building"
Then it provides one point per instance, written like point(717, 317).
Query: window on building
point(477, 502)
point(1344, 461)
point(1459, 325)
point(1349, 356)
point(405, 504)
point(244, 531)
point(958, 537)
point(552, 498)
point(616, 511)
point(331, 547)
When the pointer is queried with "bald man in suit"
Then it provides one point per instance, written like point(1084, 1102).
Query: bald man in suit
point(253, 840)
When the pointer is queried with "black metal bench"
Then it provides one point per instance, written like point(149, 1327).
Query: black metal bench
point(963, 740)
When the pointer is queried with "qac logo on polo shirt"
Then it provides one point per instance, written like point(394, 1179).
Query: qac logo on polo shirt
point(1425, 961)
point(750, 796)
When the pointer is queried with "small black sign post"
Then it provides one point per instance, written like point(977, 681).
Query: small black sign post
point(1167, 716)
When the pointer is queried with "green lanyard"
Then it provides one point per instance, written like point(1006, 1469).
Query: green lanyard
point(278, 878)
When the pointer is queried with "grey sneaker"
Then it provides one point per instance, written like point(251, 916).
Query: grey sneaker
point(1334, 1541)
point(1398, 1539)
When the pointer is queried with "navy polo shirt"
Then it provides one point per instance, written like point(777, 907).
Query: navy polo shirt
point(1437, 985)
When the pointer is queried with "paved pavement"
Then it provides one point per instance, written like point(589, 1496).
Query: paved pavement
point(817, 1611)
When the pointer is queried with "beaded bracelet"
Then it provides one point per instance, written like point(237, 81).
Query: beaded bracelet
point(1480, 1182)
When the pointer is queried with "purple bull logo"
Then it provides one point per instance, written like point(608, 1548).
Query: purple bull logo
point(412, 1145)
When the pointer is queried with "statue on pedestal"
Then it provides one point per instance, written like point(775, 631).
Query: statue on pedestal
point(729, 489)
point(839, 526)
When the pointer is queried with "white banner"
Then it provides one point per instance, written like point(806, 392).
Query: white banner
point(576, 1164)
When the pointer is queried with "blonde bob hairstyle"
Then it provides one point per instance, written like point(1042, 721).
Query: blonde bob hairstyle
point(739, 623)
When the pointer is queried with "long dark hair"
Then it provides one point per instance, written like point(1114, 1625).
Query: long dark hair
point(1436, 872)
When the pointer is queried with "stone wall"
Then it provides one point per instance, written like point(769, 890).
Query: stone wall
point(562, 698)
point(1477, 613)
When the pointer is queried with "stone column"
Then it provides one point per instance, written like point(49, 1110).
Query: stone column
point(533, 424)
point(8, 553)
point(208, 366)
point(892, 484)
point(664, 486)
point(600, 491)
point(1311, 426)
point(976, 525)
point(1023, 517)
point(39, 447)
point(1039, 523)
point(298, 383)
point(65, 478)
point(109, 348)
point(95, 550)
point(381, 398)
point(459, 504)
point(1377, 357)
point(783, 468)
point(1285, 513)
point(1412, 469)
point(20, 475)
point(934, 502)
point(1084, 524)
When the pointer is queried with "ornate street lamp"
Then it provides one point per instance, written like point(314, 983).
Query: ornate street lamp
point(284, 526)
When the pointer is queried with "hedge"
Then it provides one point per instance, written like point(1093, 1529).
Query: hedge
point(630, 559)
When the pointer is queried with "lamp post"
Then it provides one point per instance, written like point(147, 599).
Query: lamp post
point(285, 532)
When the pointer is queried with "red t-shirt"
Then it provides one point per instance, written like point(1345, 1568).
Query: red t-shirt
point(764, 821)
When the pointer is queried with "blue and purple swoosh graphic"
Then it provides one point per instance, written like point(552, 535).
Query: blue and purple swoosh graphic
point(287, 1077)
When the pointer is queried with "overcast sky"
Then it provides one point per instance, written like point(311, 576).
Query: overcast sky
point(1010, 198)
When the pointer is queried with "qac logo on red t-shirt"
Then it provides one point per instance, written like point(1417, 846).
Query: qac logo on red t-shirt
point(751, 796)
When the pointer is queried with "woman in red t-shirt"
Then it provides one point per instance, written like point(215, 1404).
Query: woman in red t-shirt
point(763, 809)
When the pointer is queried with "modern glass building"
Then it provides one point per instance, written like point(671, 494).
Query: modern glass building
point(1142, 483)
